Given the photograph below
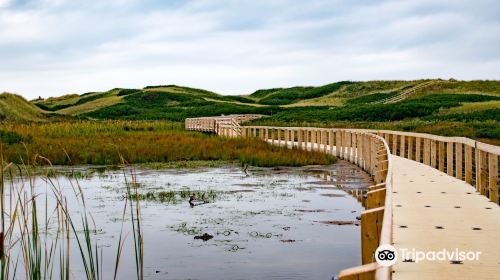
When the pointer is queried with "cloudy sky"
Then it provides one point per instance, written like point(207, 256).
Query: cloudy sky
point(53, 47)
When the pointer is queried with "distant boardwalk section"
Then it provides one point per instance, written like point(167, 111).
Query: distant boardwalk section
point(223, 125)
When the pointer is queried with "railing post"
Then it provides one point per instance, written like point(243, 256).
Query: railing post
point(314, 139)
point(394, 144)
point(338, 143)
point(441, 156)
point(449, 157)
point(481, 176)
point(427, 151)
point(287, 135)
point(433, 153)
point(459, 161)
point(299, 138)
point(325, 140)
point(403, 147)
point(292, 137)
point(279, 137)
point(410, 147)
point(331, 135)
point(493, 178)
point(468, 164)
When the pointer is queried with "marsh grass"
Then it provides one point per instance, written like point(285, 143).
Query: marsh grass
point(105, 142)
point(39, 230)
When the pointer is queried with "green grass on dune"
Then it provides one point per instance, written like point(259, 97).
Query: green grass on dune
point(17, 109)
point(442, 101)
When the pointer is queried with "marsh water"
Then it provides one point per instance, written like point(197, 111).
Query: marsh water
point(255, 223)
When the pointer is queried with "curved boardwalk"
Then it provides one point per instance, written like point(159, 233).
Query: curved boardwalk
point(431, 193)
point(433, 211)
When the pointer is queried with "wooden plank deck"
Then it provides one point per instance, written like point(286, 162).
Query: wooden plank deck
point(425, 198)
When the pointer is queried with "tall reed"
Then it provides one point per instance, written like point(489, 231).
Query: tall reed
point(38, 228)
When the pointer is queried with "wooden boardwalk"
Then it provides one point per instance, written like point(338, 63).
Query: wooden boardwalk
point(434, 211)
point(431, 193)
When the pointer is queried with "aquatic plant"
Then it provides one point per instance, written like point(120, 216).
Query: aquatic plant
point(39, 228)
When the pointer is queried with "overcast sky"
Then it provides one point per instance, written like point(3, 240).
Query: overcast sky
point(54, 47)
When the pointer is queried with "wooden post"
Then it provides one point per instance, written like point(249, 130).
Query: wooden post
point(427, 151)
point(418, 146)
point(410, 147)
point(244, 131)
point(359, 149)
point(458, 161)
point(402, 149)
point(441, 156)
point(292, 137)
point(338, 143)
point(331, 135)
point(394, 144)
point(449, 157)
point(287, 135)
point(481, 176)
point(468, 164)
point(493, 178)
point(272, 136)
point(433, 153)
point(371, 226)
point(279, 137)
point(477, 167)
point(299, 138)
point(325, 141)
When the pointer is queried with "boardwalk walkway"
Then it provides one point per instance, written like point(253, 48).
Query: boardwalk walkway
point(433, 211)
point(431, 193)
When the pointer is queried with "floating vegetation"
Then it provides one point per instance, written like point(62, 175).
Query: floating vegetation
point(287, 241)
point(183, 228)
point(174, 197)
point(339, 223)
point(310, 210)
point(333, 195)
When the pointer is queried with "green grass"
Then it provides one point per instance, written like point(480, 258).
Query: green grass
point(15, 108)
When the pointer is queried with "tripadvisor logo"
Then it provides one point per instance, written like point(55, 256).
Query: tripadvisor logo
point(386, 255)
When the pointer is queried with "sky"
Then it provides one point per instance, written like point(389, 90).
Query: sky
point(56, 47)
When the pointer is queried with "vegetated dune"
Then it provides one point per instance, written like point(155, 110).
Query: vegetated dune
point(17, 109)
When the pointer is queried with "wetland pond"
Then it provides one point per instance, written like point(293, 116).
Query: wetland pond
point(259, 223)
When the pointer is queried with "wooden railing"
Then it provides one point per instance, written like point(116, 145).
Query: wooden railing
point(223, 125)
point(471, 161)
point(365, 149)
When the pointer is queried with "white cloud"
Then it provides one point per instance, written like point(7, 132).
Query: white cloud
point(52, 47)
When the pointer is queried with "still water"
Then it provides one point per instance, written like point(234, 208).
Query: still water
point(259, 223)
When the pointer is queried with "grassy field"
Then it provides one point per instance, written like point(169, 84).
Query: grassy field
point(445, 107)
point(106, 142)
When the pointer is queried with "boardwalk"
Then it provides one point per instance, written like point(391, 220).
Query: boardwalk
point(431, 193)
point(433, 211)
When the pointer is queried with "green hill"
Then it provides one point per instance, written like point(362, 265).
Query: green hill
point(447, 107)
point(17, 109)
